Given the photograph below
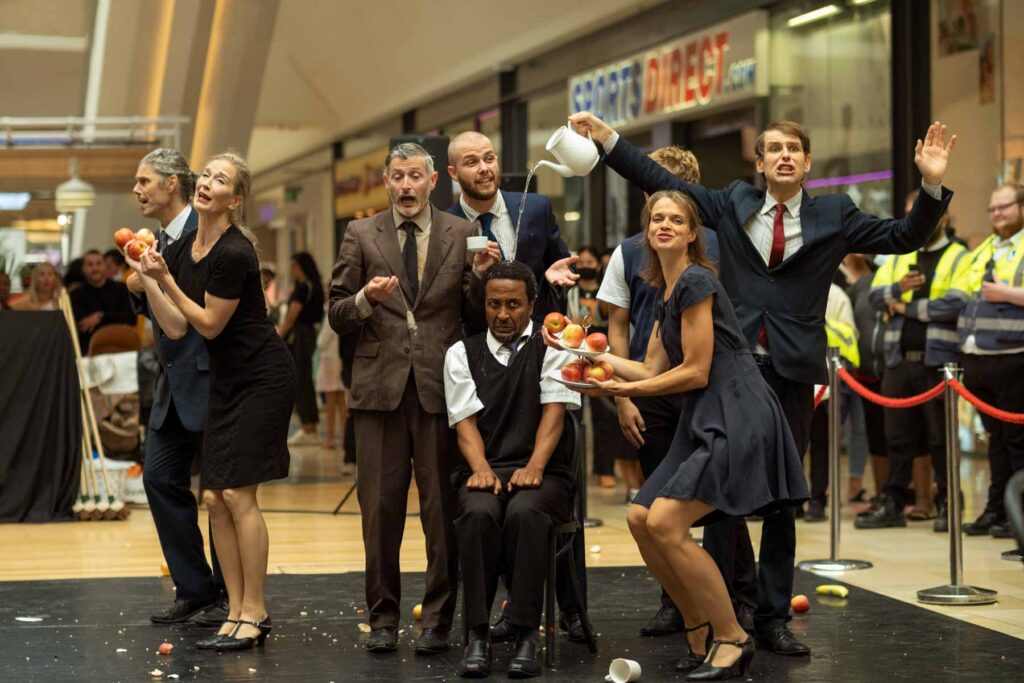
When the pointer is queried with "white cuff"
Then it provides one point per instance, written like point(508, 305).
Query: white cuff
point(934, 191)
point(609, 144)
point(364, 309)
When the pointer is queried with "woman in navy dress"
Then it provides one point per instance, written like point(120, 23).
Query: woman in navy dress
point(732, 453)
point(211, 281)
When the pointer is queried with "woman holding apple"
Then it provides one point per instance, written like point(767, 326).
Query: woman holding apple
point(732, 453)
point(211, 281)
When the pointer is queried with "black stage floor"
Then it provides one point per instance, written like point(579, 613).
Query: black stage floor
point(317, 638)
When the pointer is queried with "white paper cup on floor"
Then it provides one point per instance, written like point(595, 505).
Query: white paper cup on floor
point(476, 243)
point(623, 671)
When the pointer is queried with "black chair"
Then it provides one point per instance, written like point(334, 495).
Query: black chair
point(562, 537)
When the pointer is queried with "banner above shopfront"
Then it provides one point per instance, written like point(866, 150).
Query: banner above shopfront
point(720, 65)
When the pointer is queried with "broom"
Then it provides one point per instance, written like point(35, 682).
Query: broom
point(113, 507)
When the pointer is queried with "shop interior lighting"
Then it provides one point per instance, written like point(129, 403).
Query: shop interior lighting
point(857, 3)
point(14, 201)
point(813, 15)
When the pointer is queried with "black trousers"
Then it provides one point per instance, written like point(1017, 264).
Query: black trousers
point(166, 476)
point(514, 531)
point(999, 381)
point(302, 344)
point(913, 432)
point(818, 447)
point(778, 532)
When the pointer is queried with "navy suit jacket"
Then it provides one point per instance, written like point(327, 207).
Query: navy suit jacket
point(540, 244)
point(184, 365)
point(789, 299)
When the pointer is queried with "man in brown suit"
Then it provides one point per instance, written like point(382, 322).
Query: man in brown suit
point(405, 284)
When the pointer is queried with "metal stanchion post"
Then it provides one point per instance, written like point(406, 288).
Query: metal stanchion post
point(588, 522)
point(833, 563)
point(955, 593)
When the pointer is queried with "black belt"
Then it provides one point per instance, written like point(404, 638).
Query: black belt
point(763, 359)
point(913, 356)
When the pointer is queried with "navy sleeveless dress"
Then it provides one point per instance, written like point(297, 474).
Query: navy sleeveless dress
point(732, 449)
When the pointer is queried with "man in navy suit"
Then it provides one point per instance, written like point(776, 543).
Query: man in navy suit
point(538, 244)
point(778, 252)
point(163, 188)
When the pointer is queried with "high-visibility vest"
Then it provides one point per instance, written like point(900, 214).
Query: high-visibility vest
point(995, 326)
point(843, 336)
point(942, 345)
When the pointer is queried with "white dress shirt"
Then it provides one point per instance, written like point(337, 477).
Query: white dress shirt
point(614, 288)
point(460, 389)
point(501, 224)
point(177, 224)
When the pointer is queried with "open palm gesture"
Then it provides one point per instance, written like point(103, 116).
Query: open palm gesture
point(932, 155)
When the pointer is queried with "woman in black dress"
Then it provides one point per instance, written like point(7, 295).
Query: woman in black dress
point(305, 311)
point(732, 453)
point(211, 281)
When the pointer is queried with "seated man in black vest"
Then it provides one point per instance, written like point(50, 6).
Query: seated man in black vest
point(514, 482)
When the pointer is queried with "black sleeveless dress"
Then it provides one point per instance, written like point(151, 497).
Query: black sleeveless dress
point(732, 449)
point(252, 375)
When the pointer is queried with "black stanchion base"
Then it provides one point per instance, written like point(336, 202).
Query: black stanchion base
point(592, 523)
point(957, 595)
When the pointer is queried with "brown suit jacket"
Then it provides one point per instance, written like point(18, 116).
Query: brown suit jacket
point(387, 351)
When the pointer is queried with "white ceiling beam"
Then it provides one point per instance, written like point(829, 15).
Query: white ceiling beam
point(27, 41)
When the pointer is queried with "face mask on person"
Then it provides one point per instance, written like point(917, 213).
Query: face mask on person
point(587, 273)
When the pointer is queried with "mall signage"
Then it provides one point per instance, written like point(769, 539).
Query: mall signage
point(719, 65)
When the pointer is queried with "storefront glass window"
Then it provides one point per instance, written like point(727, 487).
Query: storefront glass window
point(834, 77)
point(544, 114)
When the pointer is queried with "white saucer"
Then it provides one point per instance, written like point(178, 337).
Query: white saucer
point(582, 350)
point(557, 376)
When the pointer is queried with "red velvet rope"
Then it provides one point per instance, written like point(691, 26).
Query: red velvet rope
point(820, 395)
point(1015, 418)
point(908, 402)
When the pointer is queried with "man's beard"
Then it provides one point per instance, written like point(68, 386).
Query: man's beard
point(479, 196)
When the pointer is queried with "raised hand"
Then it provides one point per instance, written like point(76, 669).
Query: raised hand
point(560, 274)
point(585, 122)
point(550, 339)
point(379, 288)
point(154, 266)
point(482, 260)
point(932, 155)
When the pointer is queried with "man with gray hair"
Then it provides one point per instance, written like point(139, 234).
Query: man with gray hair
point(405, 283)
point(164, 184)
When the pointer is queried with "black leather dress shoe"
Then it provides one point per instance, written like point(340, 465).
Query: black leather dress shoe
point(781, 641)
point(573, 625)
point(214, 615)
point(525, 662)
point(183, 610)
point(667, 621)
point(815, 510)
point(1000, 530)
point(1013, 555)
point(431, 642)
point(888, 515)
point(941, 523)
point(982, 524)
point(382, 639)
point(503, 631)
point(476, 662)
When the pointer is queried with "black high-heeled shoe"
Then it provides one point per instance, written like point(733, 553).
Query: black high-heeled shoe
point(232, 644)
point(211, 642)
point(708, 672)
point(692, 659)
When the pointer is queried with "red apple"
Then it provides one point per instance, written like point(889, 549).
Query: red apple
point(596, 372)
point(147, 236)
point(573, 336)
point(555, 322)
point(609, 371)
point(135, 249)
point(800, 603)
point(571, 372)
point(597, 341)
point(123, 236)
point(165, 648)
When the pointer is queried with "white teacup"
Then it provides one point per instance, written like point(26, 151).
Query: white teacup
point(623, 671)
point(476, 243)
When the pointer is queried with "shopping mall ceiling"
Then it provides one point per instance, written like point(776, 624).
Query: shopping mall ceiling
point(276, 78)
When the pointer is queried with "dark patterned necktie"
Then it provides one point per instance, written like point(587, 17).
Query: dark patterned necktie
point(513, 349)
point(410, 258)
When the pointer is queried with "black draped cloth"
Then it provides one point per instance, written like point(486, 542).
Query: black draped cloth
point(40, 418)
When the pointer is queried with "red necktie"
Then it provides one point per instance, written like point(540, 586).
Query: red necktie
point(775, 256)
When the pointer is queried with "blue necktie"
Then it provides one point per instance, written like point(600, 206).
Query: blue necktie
point(513, 348)
point(485, 229)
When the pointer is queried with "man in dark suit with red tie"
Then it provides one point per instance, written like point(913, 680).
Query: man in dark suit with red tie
point(778, 252)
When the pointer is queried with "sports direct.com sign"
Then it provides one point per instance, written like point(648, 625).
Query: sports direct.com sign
point(720, 65)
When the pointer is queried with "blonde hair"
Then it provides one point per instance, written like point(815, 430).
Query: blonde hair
point(243, 186)
point(33, 288)
point(679, 162)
